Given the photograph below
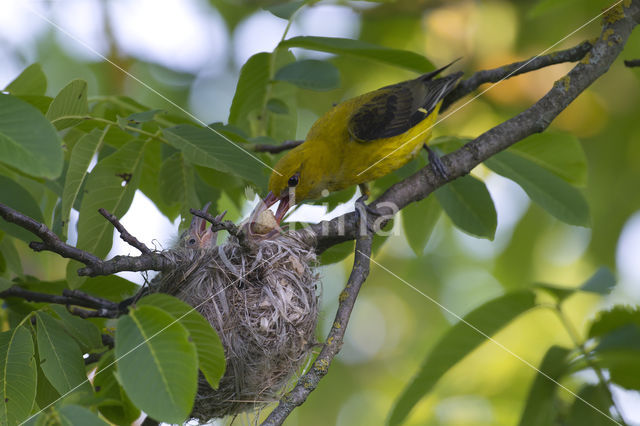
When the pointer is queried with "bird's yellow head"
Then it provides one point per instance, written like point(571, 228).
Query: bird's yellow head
point(293, 180)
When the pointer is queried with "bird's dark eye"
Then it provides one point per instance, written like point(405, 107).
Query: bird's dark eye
point(293, 180)
point(192, 241)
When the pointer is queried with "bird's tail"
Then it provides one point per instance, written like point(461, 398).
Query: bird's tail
point(438, 88)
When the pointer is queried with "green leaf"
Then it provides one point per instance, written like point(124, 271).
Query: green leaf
point(46, 393)
point(596, 413)
point(602, 282)
point(18, 198)
point(540, 408)
point(613, 319)
point(31, 81)
point(208, 148)
point(111, 185)
point(622, 365)
point(337, 253)
point(560, 153)
point(81, 155)
point(117, 407)
point(543, 187)
point(211, 358)
point(110, 287)
point(17, 375)
point(11, 256)
point(71, 415)
point(4, 283)
point(468, 203)
point(286, 10)
point(28, 142)
point(418, 221)
point(343, 46)
point(70, 103)
point(457, 343)
point(60, 357)
point(152, 345)
point(277, 106)
point(144, 116)
point(310, 74)
point(176, 183)
point(251, 90)
point(84, 332)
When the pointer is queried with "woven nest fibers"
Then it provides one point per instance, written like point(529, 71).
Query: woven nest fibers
point(264, 306)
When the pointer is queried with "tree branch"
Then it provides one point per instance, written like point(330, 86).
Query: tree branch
point(632, 63)
point(618, 26)
point(94, 265)
point(511, 70)
point(124, 234)
point(100, 307)
point(309, 381)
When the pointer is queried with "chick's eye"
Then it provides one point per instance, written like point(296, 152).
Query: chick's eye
point(293, 180)
point(192, 241)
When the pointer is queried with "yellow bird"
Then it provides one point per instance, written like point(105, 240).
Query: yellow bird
point(361, 139)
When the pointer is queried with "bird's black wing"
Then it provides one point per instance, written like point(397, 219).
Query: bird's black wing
point(399, 107)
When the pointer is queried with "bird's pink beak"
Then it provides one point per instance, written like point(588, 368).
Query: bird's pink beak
point(283, 207)
point(198, 229)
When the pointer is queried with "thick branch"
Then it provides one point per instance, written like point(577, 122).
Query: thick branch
point(632, 63)
point(94, 265)
point(533, 120)
point(333, 343)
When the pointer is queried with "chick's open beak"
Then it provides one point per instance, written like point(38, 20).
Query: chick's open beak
point(283, 207)
point(199, 235)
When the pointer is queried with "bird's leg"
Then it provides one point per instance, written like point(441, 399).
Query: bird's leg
point(437, 163)
point(363, 211)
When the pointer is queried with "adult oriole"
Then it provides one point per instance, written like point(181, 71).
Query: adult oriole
point(361, 139)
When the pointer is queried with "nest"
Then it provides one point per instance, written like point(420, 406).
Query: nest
point(264, 306)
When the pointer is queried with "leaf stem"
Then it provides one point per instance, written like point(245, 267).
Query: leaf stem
point(575, 338)
point(155, 135)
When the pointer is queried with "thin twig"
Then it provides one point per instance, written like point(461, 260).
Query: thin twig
point(124, 234)
point(494, 75)
point(68, 298)
point(274, 149)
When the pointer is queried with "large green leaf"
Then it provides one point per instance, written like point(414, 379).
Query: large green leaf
point(176, 183)
point(18, 198)
point(84, 332)
point(111, 185)
point(67, 415)
point(31, 81)
point(540, 409)
point(458, 342)
point(545, 188)
point(418, 221)
point(81, 155)
point(151, 344)
point(206, 147)
point(560, 153)
point(17, 375)
point(11, 256)
point(211, 358)
point(617, 317)
point(28, 142)
point(60, 356)
point(343, 46)
point(251, 90)
point(593, 412)
point(310, 74)
point(116, 405)
point(70, 103)
point(468, 203)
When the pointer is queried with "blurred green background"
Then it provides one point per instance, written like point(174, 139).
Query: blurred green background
point(191, 51)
